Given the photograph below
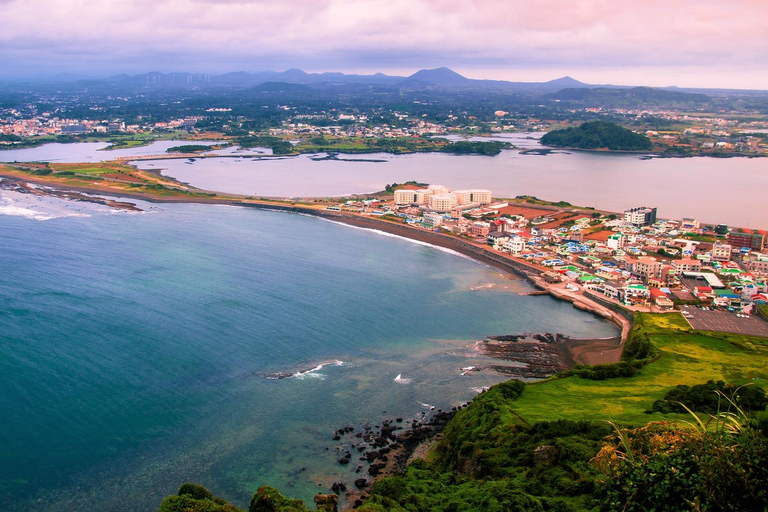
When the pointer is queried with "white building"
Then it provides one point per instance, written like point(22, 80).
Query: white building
point(480, 196)
point(439, 198)
point(432, 220)
point(420, 196)
point(641, 216)
point(721, 252)
point(515, 244)
point(443, 202)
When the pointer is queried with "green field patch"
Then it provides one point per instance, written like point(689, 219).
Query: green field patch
point(687, 357)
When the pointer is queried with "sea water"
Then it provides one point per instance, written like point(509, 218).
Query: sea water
point(138, 351)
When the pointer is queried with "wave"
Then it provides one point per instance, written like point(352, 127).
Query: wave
point(417, 242)
point(28, 213)
point(427, 406)
point(304, 374)
point(467, 369)
point(480, 389)
point(401, 380)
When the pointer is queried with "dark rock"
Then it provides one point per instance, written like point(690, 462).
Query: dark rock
point(344, 461)
point(361, 483)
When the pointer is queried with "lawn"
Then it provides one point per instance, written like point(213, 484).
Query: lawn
point(687, 357)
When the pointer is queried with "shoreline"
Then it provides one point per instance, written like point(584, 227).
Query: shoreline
point(467, 248)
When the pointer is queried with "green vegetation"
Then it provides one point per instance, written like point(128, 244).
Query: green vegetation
point(276, 144)
point(548, 445)
point(395, 186)
point(480, 148)
point(598, 135)
point(707, 398)
point(196, 498)
point(189, 148)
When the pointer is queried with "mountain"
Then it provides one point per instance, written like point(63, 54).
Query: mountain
point(441, 77)
point(565, 83)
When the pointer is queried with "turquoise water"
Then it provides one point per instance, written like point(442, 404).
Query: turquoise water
point(133, 349)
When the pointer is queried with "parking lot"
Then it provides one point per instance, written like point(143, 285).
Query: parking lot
point(723, 321)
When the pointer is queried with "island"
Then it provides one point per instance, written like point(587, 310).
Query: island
point(598, 135)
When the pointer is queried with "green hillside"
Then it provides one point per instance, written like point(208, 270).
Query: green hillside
point(596, 438)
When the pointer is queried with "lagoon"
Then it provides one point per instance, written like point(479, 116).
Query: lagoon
point(713, 190)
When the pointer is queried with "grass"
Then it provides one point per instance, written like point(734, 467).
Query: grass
point(687, 357)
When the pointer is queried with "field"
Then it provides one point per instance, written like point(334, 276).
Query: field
point(102, 177)
point(687, 357)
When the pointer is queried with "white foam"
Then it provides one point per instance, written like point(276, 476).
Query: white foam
point(401, 380)
point(384, 233)
point(466, 370)
point(480, 390)
point(24, 206)
point(312, 372)
point(427, 406)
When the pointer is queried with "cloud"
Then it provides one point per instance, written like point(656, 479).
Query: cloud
point(378, 34)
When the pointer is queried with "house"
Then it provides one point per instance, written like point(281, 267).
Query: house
point(721, 252)
point(660, 299)
point(686, 265)
point(703, 293)
point(649, 268)
point(636, 295)
point(514, 244)
point(480, 229)
point(611, 289)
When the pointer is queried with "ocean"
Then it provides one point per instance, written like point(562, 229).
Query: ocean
point(139, 351)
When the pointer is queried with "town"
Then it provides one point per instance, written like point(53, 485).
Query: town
point(637, 259)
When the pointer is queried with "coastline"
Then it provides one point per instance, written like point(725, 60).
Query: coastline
point(465, 247)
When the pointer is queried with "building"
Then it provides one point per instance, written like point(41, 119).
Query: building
point(480, 229)
point(636, 295)
point(689, 224)
point(479, 196)
point(439, 198)
point(641, 216)
point(432, 220)
point(615, 241)
point(442, 202)
point(758, 265)
point(70, 129)
point(751, 238)
point(418, 197)
point(686, 265)
point(515, 244)
point(649, 268)
point(661, 300)
point(721, 252)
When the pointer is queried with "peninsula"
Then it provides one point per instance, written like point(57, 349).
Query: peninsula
point(688, 303)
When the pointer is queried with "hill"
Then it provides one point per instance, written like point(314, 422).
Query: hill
point(626, 97)
point(598, 135)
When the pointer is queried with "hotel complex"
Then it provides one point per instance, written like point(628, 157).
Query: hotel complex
point(438, 198)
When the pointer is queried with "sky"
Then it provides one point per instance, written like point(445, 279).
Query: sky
point(688, 43)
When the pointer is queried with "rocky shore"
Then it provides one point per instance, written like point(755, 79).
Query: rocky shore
point(383, 449)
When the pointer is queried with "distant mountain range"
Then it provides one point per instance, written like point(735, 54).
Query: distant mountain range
point(566, 88)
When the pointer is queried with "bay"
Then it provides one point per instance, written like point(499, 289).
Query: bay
point(134, 348)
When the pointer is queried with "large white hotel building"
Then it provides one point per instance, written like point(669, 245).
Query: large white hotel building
point(440, 199)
